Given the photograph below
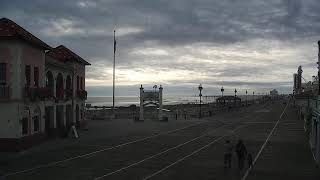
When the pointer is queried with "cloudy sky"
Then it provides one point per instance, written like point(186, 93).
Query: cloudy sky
point(244, 44)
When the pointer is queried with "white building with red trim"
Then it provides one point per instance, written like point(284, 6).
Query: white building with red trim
point(42, 89)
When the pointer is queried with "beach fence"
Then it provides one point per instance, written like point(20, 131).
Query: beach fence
point(170, 112)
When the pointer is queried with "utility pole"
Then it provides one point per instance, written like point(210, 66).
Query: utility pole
point(200, 95)
point(246, 98)
point(318, 68)
point(114, 67)
point(222, 90)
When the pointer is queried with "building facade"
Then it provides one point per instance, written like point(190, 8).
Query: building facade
point(42, 89)
point(306, 98)
point(314, 130)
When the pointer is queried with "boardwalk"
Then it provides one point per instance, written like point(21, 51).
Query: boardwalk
point(177, 150)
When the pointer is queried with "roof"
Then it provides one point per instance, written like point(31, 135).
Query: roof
point(64, 54)
point(9, 29)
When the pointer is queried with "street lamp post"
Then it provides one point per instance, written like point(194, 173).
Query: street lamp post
point(246, 98)
point(222, 90)
point(253, 96)
point(235, 95)
point(318, 68)
point(200, 95)
point(154, 94)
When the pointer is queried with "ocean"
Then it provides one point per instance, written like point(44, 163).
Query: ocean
point(167, 100)
point(129, 100)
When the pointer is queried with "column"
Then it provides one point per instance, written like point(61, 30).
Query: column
point(64, 118)
point(160, 103)
point(54, 120)
point(54, 83)
point(141, 103)
point(318, 142)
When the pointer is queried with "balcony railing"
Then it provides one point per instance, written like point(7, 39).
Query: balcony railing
point(35, 93)
point(69, 93)
point(60, 94)
point(82, 94)
point(4, 92)
point(44, 92)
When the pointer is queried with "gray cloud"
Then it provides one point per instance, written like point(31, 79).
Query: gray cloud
point(230, 25)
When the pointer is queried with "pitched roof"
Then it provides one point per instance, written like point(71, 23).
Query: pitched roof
point(9, 29)
point(64, 54)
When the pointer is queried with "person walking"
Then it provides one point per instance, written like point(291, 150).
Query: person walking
point(228, 154)
point(250, 160)
point(241, 151)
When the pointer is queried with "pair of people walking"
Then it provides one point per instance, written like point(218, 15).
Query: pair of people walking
point(241, 152)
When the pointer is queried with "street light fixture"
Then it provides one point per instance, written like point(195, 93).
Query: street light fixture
point(253, 96)
point(246, 98)
point(155, 90)
point(200, 95)
point(222, 90)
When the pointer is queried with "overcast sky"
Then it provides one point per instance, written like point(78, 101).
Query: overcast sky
point(243, 44)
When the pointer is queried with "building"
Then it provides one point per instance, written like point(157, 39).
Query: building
point(274, 93)
point(306, 99)
point(313, 129)
point(233, 101)
point(42, 89)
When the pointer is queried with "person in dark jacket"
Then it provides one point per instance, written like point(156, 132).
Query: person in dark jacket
point(228, 154)
point(241, 151)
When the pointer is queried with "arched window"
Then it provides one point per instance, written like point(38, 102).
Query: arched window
point(68, 82)
point(49, 79)
point(59, 86)
point(78, 83)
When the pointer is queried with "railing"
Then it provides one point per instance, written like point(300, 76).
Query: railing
point(44, 93)
point(28, 92)
point(69, 93)
point(35, 93)
point(60, 94)
point(82, 94)
point(4, 92)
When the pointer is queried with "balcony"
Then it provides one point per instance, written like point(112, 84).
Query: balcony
point(82, 94)
point(69, 93)
point(44, 93)
point(60, 94)
point(4, 92)
point(37, 93)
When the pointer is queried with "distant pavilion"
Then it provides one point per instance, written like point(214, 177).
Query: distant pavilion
point(229, 100)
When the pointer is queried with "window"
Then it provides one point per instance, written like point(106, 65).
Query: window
point(28, 75)
point(3, 73)
point(25, 126)
point(81, 84)
point(47, 81)
point(36, 76)
point(36, 123)
point(77, 82)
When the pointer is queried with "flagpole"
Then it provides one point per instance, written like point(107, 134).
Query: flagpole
point(114, 66)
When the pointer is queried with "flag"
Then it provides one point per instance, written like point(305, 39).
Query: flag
point(115, 45)
point(114, 42)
